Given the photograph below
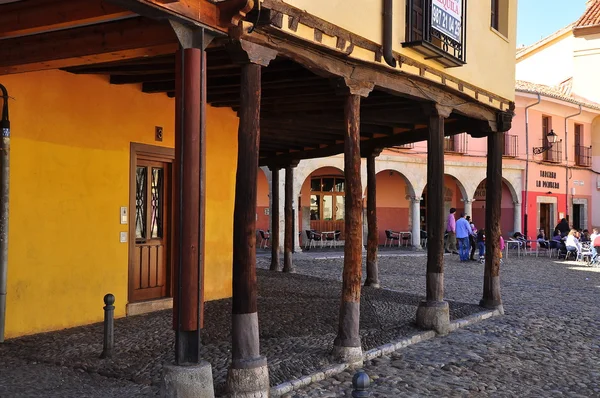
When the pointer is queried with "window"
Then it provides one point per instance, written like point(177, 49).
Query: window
point(327, 198)
point(583, 154)
point(437, 32)
point(499, 16)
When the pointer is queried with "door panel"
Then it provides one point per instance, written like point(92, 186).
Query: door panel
point(149, 261)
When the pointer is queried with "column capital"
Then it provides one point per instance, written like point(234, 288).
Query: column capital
point(435, 109)
point(517, 203)
point(191, 36)
point(414, 199)
point(346, 86)
point(245, 52)
point(468, 201)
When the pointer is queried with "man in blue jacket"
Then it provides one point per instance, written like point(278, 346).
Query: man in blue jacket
point(463, 231)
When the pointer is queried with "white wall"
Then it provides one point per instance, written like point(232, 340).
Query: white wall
point(586, 56)
point(551, 65)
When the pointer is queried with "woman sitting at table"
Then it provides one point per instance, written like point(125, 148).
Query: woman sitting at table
point(572, 243)
point(541, 239)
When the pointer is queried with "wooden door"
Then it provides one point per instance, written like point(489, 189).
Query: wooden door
point(149, 260)
point(545, 220)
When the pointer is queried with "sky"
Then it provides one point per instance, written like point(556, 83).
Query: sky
point(540, 18)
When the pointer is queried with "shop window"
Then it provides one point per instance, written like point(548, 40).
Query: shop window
point(327, 198)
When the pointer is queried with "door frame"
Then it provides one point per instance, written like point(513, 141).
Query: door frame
point(162, 154)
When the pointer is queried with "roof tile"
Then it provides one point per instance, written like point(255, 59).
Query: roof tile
point(561, 92)
point(591, 16)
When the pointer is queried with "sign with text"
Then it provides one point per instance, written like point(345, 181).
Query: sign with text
point(545, 183)
point(446, 18)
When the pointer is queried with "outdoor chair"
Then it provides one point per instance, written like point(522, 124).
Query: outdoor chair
point(553, 248)
point(264, 238)
point(423, 239)
point(585, 254)
point(391, 237)
point(333, 239)
point(313, 237)
point(596, 261)
point(571, 253)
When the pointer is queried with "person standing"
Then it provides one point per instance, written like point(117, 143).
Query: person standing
point(451, 229)
point(463, 233)
point(472, 238)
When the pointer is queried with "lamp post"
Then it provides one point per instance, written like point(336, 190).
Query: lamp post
point(551, 137)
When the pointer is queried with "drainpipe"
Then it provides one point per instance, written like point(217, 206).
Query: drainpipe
point(388, 14)
point(567, 159)
point(525, 218)
point(4, 185)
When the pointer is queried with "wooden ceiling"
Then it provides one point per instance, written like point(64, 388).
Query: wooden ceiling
point(301, 113)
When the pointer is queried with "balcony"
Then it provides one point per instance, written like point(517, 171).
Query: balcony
point(436, 33)
point(456, 144)
point(511, 146)
point(554, 154)
point(583, 156)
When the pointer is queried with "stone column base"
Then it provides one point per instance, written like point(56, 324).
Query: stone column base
point(188, 381)
point(351, 355)
point(434, 315)
point(492, 305)
point(248, 379)
point(374, 284)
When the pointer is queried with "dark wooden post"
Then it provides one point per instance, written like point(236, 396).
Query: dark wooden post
point(288, 240)
point(248, 373)
point(373, 235)
point(347, 344)
point(188, 253)
point(274, 218)
point(433, 313)
point(491, 279)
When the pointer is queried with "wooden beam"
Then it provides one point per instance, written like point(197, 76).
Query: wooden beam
point(493, 201)
point(274, 218)
point(193, 12)
point(347, 343)
point(134, 79)
point(39, 16)
point(373, 234)
point(132, 38)
point(288, 241)
point(390, 81)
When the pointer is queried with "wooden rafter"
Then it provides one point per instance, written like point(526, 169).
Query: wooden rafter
point(131, 38)
point(39, 16)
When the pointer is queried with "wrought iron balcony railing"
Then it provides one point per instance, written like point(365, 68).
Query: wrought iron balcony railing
point(554, 154)
point(511, 146)
point(456, 143)
point(583, 156)
point(437, 31)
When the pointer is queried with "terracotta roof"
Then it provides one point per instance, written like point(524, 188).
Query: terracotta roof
point(591, 16)
point(562, 92)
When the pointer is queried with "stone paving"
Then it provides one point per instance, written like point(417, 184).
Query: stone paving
point(298, 323)
point(546, 345)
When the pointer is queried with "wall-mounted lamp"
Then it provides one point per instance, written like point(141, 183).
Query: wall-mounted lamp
point(551, 137)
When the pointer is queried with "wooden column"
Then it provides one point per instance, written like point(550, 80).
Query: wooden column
point(491, 279)
point(248, 372)
point(274, 218)
point(373, 233)
point(347, 344)
point(288, 239)
point(433, 313)
point(188, 250)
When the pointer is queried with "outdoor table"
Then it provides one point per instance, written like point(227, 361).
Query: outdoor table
point(325, 234)
point(402, 234)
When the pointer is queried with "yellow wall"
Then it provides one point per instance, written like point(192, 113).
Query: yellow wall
point(490, 57)
point(69, 176)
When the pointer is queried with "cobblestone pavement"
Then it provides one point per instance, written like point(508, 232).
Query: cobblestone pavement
point(546, 345)
point(298, 323)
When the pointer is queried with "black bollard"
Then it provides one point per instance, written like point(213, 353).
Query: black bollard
point(109, 327)
point(360, 383)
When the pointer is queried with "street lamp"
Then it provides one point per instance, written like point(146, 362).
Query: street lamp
point(551, 137)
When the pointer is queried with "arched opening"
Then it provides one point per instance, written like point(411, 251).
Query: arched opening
point(394, 193)
point(453, 197)
point(322, 201)
point(262, 201)
point(507, 215)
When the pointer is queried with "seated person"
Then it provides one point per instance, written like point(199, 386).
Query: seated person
point(572, 243)
point(593, 235)
point(541, 239)
point(595, 244)
point(585, 236)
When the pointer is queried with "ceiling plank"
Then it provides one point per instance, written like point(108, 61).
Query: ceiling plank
point(131, 38)
point(38, 16)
